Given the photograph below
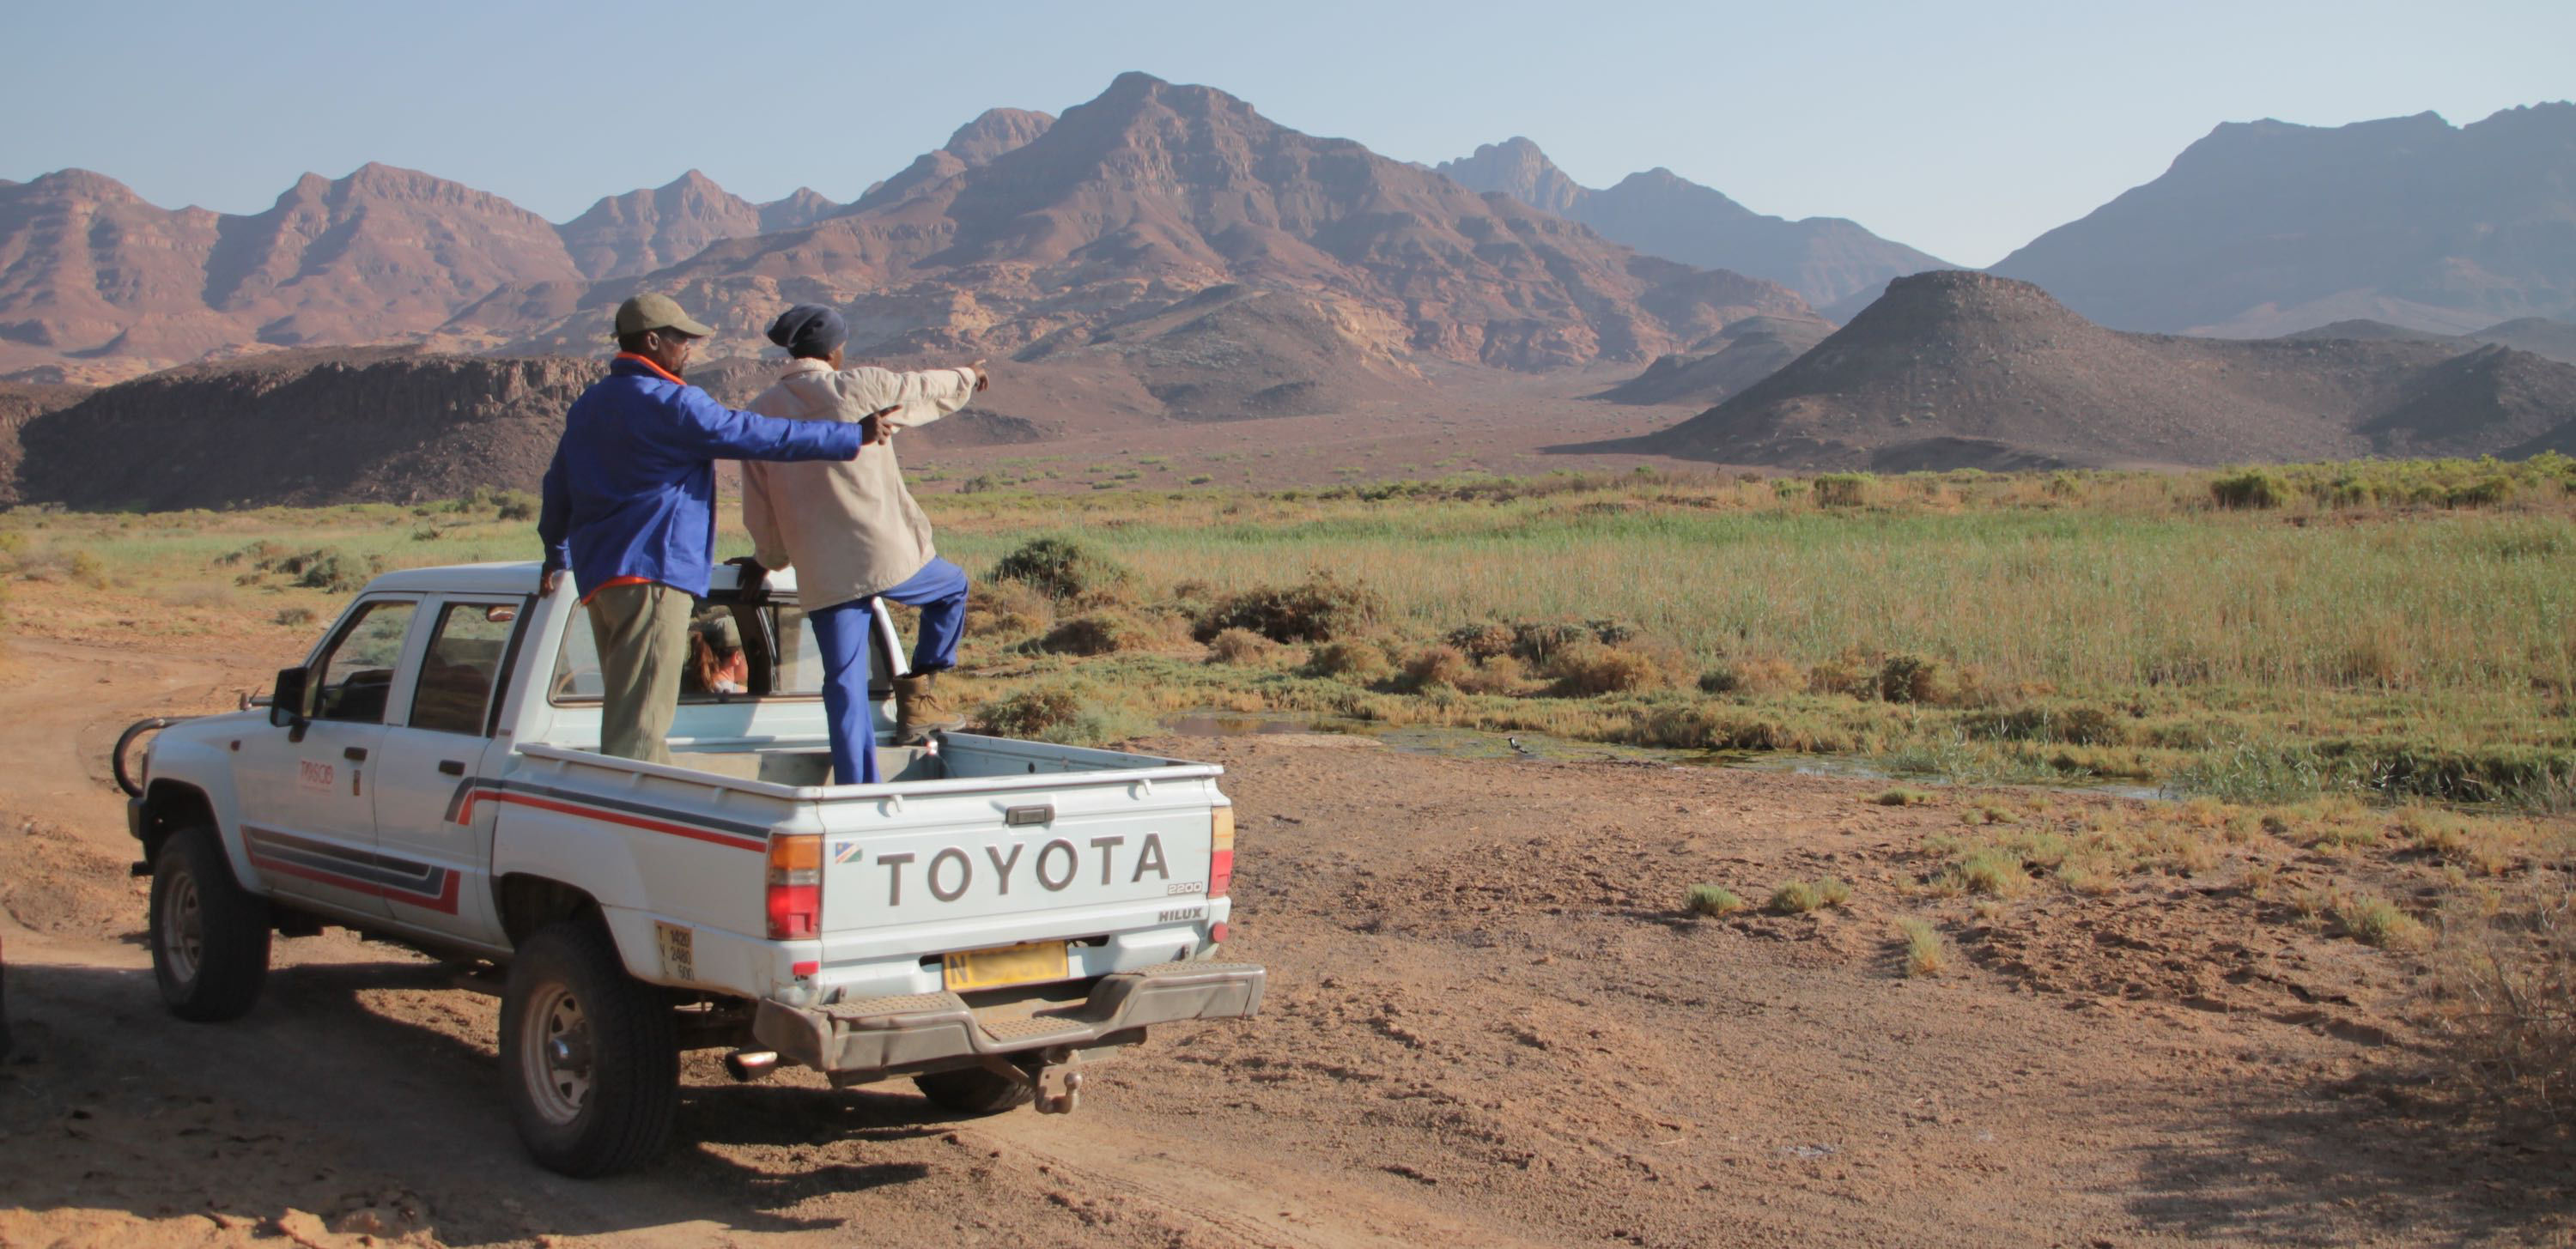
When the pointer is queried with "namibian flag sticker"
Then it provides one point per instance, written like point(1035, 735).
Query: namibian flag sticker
point(845, 852)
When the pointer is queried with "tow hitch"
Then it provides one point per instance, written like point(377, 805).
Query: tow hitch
point(1055, 1087)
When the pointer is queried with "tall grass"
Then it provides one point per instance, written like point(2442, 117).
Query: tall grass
point(2407, 625)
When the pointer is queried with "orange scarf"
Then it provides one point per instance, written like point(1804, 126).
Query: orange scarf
point(667, 374)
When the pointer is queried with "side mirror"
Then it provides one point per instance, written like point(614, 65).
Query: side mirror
point(286, 706)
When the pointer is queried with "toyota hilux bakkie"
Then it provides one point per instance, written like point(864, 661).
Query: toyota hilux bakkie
point(987, 920)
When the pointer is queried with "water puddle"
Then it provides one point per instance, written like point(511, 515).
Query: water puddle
point(1457, 743)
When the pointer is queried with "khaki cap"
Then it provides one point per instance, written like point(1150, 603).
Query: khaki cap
point(656, 312)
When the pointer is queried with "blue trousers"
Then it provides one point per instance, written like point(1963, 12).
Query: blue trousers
point(845, 632)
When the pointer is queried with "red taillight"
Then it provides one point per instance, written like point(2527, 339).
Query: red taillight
point(1221, 852)
point(795, 893)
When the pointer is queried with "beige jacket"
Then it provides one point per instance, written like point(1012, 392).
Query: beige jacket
point(848, 527)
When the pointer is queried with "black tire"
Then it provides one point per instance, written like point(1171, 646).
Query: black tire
point(973, 1091)
point(209, 935)
point(601, 1101)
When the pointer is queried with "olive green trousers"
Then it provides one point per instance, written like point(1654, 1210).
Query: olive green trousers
point(643, 635)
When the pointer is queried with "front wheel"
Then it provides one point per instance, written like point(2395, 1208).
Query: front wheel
point(973, 1091)
point(590, 1054)
point(209, 935)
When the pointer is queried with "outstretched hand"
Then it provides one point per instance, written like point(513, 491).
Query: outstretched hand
point(983, 377)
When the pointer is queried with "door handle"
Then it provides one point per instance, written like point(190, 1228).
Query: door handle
point(355, 754)
point(452, 767)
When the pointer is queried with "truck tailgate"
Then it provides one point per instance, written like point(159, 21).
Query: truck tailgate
point(991, 864)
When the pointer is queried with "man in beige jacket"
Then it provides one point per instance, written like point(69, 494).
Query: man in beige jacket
point(854, 534)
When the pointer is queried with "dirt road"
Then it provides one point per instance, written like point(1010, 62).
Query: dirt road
point(1488, 1025)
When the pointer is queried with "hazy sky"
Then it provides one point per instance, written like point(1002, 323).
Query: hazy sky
point(1964, 130)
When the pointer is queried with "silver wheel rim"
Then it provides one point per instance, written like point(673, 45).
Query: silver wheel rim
point(555, 1055)
point(183, 927)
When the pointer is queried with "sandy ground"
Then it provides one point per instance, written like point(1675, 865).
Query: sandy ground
point(1488, 1025)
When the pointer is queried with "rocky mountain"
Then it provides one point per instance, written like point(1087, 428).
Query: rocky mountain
point(88, 268)
point(640, 231)
point(1955, 369)
point(1825, 259)
point(2267, 228)
point(1132, 205)
point(97, 284)
point(974, 145)
point(1737, 357)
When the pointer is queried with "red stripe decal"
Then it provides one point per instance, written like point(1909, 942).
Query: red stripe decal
point(631, 821)
point(444, 904)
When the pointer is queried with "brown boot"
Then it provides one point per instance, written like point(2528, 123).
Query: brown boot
point(918, 713)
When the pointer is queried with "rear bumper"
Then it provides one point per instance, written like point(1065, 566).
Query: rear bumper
point(886, 1034)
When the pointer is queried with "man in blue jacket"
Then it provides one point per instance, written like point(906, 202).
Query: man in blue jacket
point(630, 511)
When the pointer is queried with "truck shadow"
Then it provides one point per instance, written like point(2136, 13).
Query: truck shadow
point(375, 1087)
point(2391, 1150)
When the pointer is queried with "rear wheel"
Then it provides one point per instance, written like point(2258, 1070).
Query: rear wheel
point(590, 1054)
point(973, 1091)
point(209, 935)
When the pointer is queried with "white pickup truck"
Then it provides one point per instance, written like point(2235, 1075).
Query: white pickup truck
point(993, 915)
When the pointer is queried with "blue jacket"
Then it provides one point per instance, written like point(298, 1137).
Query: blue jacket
point(632, 490)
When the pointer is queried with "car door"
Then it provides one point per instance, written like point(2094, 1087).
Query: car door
point(438, 843)
point(307, 811)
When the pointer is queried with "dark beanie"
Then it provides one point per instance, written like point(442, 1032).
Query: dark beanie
point(808, 331)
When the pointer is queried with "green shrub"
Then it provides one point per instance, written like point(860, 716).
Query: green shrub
point(1054, 714)
point(1842, 489)
point(1711, 900)
point(1060, 568)
point(1359, 662)
point(1592, 668)
point(1915, 679)
point(2251, 488)
point(515, 505)
point(1319, 609)
point(2377, 922)
point(1438, 664)
point(1801, 896)
point(1238, 646)
point(1925, 953)
point(1093, 633)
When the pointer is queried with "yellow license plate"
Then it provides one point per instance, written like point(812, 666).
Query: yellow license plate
point(1033, 963)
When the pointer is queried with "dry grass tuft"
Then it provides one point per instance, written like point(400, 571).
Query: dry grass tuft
point(2505, 1002)
point(2376, 921)
point(1711, 900)
point(1801, 896)
point(1926, 954)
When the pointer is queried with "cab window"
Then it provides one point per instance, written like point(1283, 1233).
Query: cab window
point(732, 651)
point(461, 666)
point(356, 676)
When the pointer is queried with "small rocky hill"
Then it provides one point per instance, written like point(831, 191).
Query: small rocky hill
point(21, 402)
point(304, 427)
point(1735, 358)
point(1955, 369)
